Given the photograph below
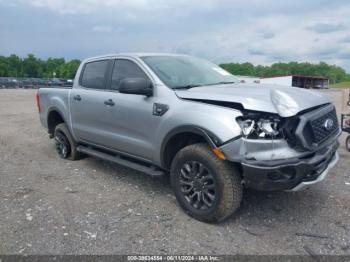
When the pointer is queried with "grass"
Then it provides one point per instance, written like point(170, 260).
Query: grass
point(341, 85)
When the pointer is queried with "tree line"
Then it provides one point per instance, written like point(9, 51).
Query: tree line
point(30, 66)
point(334, 73)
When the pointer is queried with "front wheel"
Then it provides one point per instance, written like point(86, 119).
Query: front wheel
point(206, 187)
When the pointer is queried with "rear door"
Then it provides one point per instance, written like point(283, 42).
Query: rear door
point(87, 101)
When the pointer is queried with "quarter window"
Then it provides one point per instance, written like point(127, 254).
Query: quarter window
point(94, 74)
point(125, 69)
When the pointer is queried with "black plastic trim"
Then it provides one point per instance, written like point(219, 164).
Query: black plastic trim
point(150, 170)
point(113, 151)
point(208, 136)
point(52, 109)
point(231, 140)
point(257, 174)
point(309, 116)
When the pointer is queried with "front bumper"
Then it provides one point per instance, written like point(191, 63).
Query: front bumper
point(322, 176)
point(287, 173)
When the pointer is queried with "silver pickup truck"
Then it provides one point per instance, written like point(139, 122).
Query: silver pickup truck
point(189, 118)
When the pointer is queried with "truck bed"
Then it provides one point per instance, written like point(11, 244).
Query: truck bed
point(57, 97)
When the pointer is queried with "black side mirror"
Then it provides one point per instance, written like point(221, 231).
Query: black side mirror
point(136, 86)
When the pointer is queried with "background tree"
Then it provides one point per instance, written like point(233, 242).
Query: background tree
point(334, 73)
point(15, 66)
point(69, 69)
point(31, 66)
point(4, 67)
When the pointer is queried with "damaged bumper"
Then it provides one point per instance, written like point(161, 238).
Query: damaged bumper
point(276, 166)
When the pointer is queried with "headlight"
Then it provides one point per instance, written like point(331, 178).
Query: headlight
point(260, 127)
point(247, 126)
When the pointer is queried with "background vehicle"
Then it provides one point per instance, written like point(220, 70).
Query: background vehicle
point(56, 82)
point(345, 126)
point(185, 116)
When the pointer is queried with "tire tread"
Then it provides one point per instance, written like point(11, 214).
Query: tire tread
point(74, 154)
point(232, 191)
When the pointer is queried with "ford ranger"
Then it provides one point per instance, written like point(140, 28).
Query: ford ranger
point(177, 115)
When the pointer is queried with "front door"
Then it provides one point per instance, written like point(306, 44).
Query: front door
point(132, 123)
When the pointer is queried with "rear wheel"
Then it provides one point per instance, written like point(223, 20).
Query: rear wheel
point(206, 187)
point(66, 147)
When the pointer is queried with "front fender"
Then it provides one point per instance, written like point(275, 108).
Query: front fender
point(215, 123)
point(211, 139)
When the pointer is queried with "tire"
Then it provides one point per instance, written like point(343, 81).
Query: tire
point(197, 175)
point(65, 145)
point(347, 143)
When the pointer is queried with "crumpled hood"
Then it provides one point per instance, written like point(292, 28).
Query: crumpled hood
point(283, 100)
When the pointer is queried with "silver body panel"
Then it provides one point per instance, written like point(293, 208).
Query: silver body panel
point(259, 149)
point(285, 101)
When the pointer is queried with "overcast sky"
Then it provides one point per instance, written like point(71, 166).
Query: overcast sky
point(261, 32)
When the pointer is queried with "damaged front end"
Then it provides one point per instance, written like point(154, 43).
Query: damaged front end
point(267, 126)
point(283, 153)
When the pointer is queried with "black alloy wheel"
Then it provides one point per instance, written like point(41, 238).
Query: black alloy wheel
point(197, 185)
point(63, 146)
point(206, 187)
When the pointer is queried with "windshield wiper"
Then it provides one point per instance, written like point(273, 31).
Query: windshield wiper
point(186, 86)
point(222, 83)
point(191, 86)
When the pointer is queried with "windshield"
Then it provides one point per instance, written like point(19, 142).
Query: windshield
point(186, 71)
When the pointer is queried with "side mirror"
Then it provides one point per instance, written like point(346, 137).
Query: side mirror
point(136, 86)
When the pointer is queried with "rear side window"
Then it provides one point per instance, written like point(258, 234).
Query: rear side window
point(125, 69)
point(94, 74)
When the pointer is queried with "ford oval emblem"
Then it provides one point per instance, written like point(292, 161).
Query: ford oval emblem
point(328, 124)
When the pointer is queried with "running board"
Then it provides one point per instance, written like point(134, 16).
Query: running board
point(152, 170)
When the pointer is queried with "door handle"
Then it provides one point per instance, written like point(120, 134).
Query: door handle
point(77, 97)
point(109, 102)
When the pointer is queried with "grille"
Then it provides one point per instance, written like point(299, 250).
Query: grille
point(311, 131)
point(319, 131)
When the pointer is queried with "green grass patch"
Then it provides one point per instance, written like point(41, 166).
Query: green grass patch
point(341, 85)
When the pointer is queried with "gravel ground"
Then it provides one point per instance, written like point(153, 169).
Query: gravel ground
point(52, 206)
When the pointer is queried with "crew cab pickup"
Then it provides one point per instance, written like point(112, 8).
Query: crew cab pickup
point(177, 115)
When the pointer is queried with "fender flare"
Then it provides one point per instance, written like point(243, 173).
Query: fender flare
point(212, 140)
point(52, 109)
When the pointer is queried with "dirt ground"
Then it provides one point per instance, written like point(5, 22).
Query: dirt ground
point(52, 206)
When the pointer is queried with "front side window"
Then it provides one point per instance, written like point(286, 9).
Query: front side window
point(125, 69)
point(186, 71)
point(94, 74)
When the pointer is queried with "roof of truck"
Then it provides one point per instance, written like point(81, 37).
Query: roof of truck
point(133, 55)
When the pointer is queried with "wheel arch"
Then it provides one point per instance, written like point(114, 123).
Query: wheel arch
point(54, 117)
point(182, 136)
